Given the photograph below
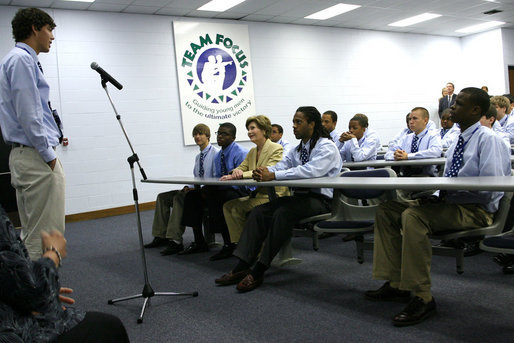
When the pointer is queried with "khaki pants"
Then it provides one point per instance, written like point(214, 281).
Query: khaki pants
point(402, 250)
point(166, 222)
point(237, 210)
point(39, 195)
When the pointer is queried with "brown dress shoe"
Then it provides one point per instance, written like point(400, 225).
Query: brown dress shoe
point(249, 283)
point(232, 278)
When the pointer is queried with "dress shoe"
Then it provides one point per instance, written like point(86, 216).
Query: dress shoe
point(351, 237)
point(504, 259)
point(388, 293)
point(508, 269)
point(194, 248)
point(249, 283)
point(172, 249)
point(157, 242)
point(232, 278)
point(472, 248)
point(415, 312)
point(225, 252)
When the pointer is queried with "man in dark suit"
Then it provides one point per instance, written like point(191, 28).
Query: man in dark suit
point(448, 100)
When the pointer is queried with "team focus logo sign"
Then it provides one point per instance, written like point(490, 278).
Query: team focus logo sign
point(214, 74)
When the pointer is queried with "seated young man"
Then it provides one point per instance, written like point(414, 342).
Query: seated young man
point(449, 132)
point(329, 122)
point(276, 137)
point(502, 105)
point(213, 197)
point(402, 249)
point(405, 131)
point(166, 228)
point(360, 142)
point(489, 120)
point(421, 143)
point(270, 225)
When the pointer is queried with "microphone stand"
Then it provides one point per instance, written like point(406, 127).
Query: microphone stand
point(147, 292)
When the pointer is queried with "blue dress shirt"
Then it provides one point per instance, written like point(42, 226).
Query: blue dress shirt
point(234, 155)
point(451, 136)
point(208, 161)
point(429, 146)
point(507, 122)
point(285, 144)
point(324, 160)
point(485, 154)
point(364, 149)
point(25, 115)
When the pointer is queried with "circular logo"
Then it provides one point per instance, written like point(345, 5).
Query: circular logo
point(216, 74)
point(216, 70)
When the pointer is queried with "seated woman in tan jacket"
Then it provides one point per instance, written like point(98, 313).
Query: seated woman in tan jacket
point(265, 154)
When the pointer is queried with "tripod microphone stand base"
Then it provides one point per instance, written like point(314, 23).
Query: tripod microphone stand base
point(147, 294)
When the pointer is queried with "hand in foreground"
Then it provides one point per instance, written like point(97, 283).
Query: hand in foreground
point(263, 174)
point(65, 299)
point(53, 239)
point(400, 155)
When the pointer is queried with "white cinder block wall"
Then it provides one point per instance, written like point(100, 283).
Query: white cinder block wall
point(380, 74)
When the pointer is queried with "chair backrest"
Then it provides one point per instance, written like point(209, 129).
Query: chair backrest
point(366, 193)
point(346, 205)
point(500, 217)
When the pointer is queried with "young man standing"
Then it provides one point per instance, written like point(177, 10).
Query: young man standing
point(402, 250)
point(28, 125)
point(167, 229)
point(270, 225)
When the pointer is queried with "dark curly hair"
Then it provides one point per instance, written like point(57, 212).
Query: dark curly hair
point(25, 18)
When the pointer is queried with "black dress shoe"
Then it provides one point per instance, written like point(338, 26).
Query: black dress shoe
point(504, 259)
point(508, 269)
point(415, 312)
point(194, 248)
point(157, 242)
point(225, 252)
point(172, 249)
point(388, 293)
point(472, 248)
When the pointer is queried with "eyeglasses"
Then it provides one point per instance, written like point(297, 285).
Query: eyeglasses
point(221, 133)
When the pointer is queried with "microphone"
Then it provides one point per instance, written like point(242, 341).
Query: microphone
point(105, 76)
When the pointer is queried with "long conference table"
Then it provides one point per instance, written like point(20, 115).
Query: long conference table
point(440, 161)
point(482, 183)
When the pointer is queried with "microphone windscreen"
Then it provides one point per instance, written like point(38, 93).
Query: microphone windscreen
point(94, 65)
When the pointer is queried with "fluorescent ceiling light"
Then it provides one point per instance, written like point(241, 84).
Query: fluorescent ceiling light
point(81, 0)
point(219, 5)
point(416, 19)
point(480, 27)
point(332, 11)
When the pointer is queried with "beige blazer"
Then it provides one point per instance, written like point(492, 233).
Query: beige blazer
point(270, 155)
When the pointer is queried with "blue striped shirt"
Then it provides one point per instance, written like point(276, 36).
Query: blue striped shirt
point(25, 115)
